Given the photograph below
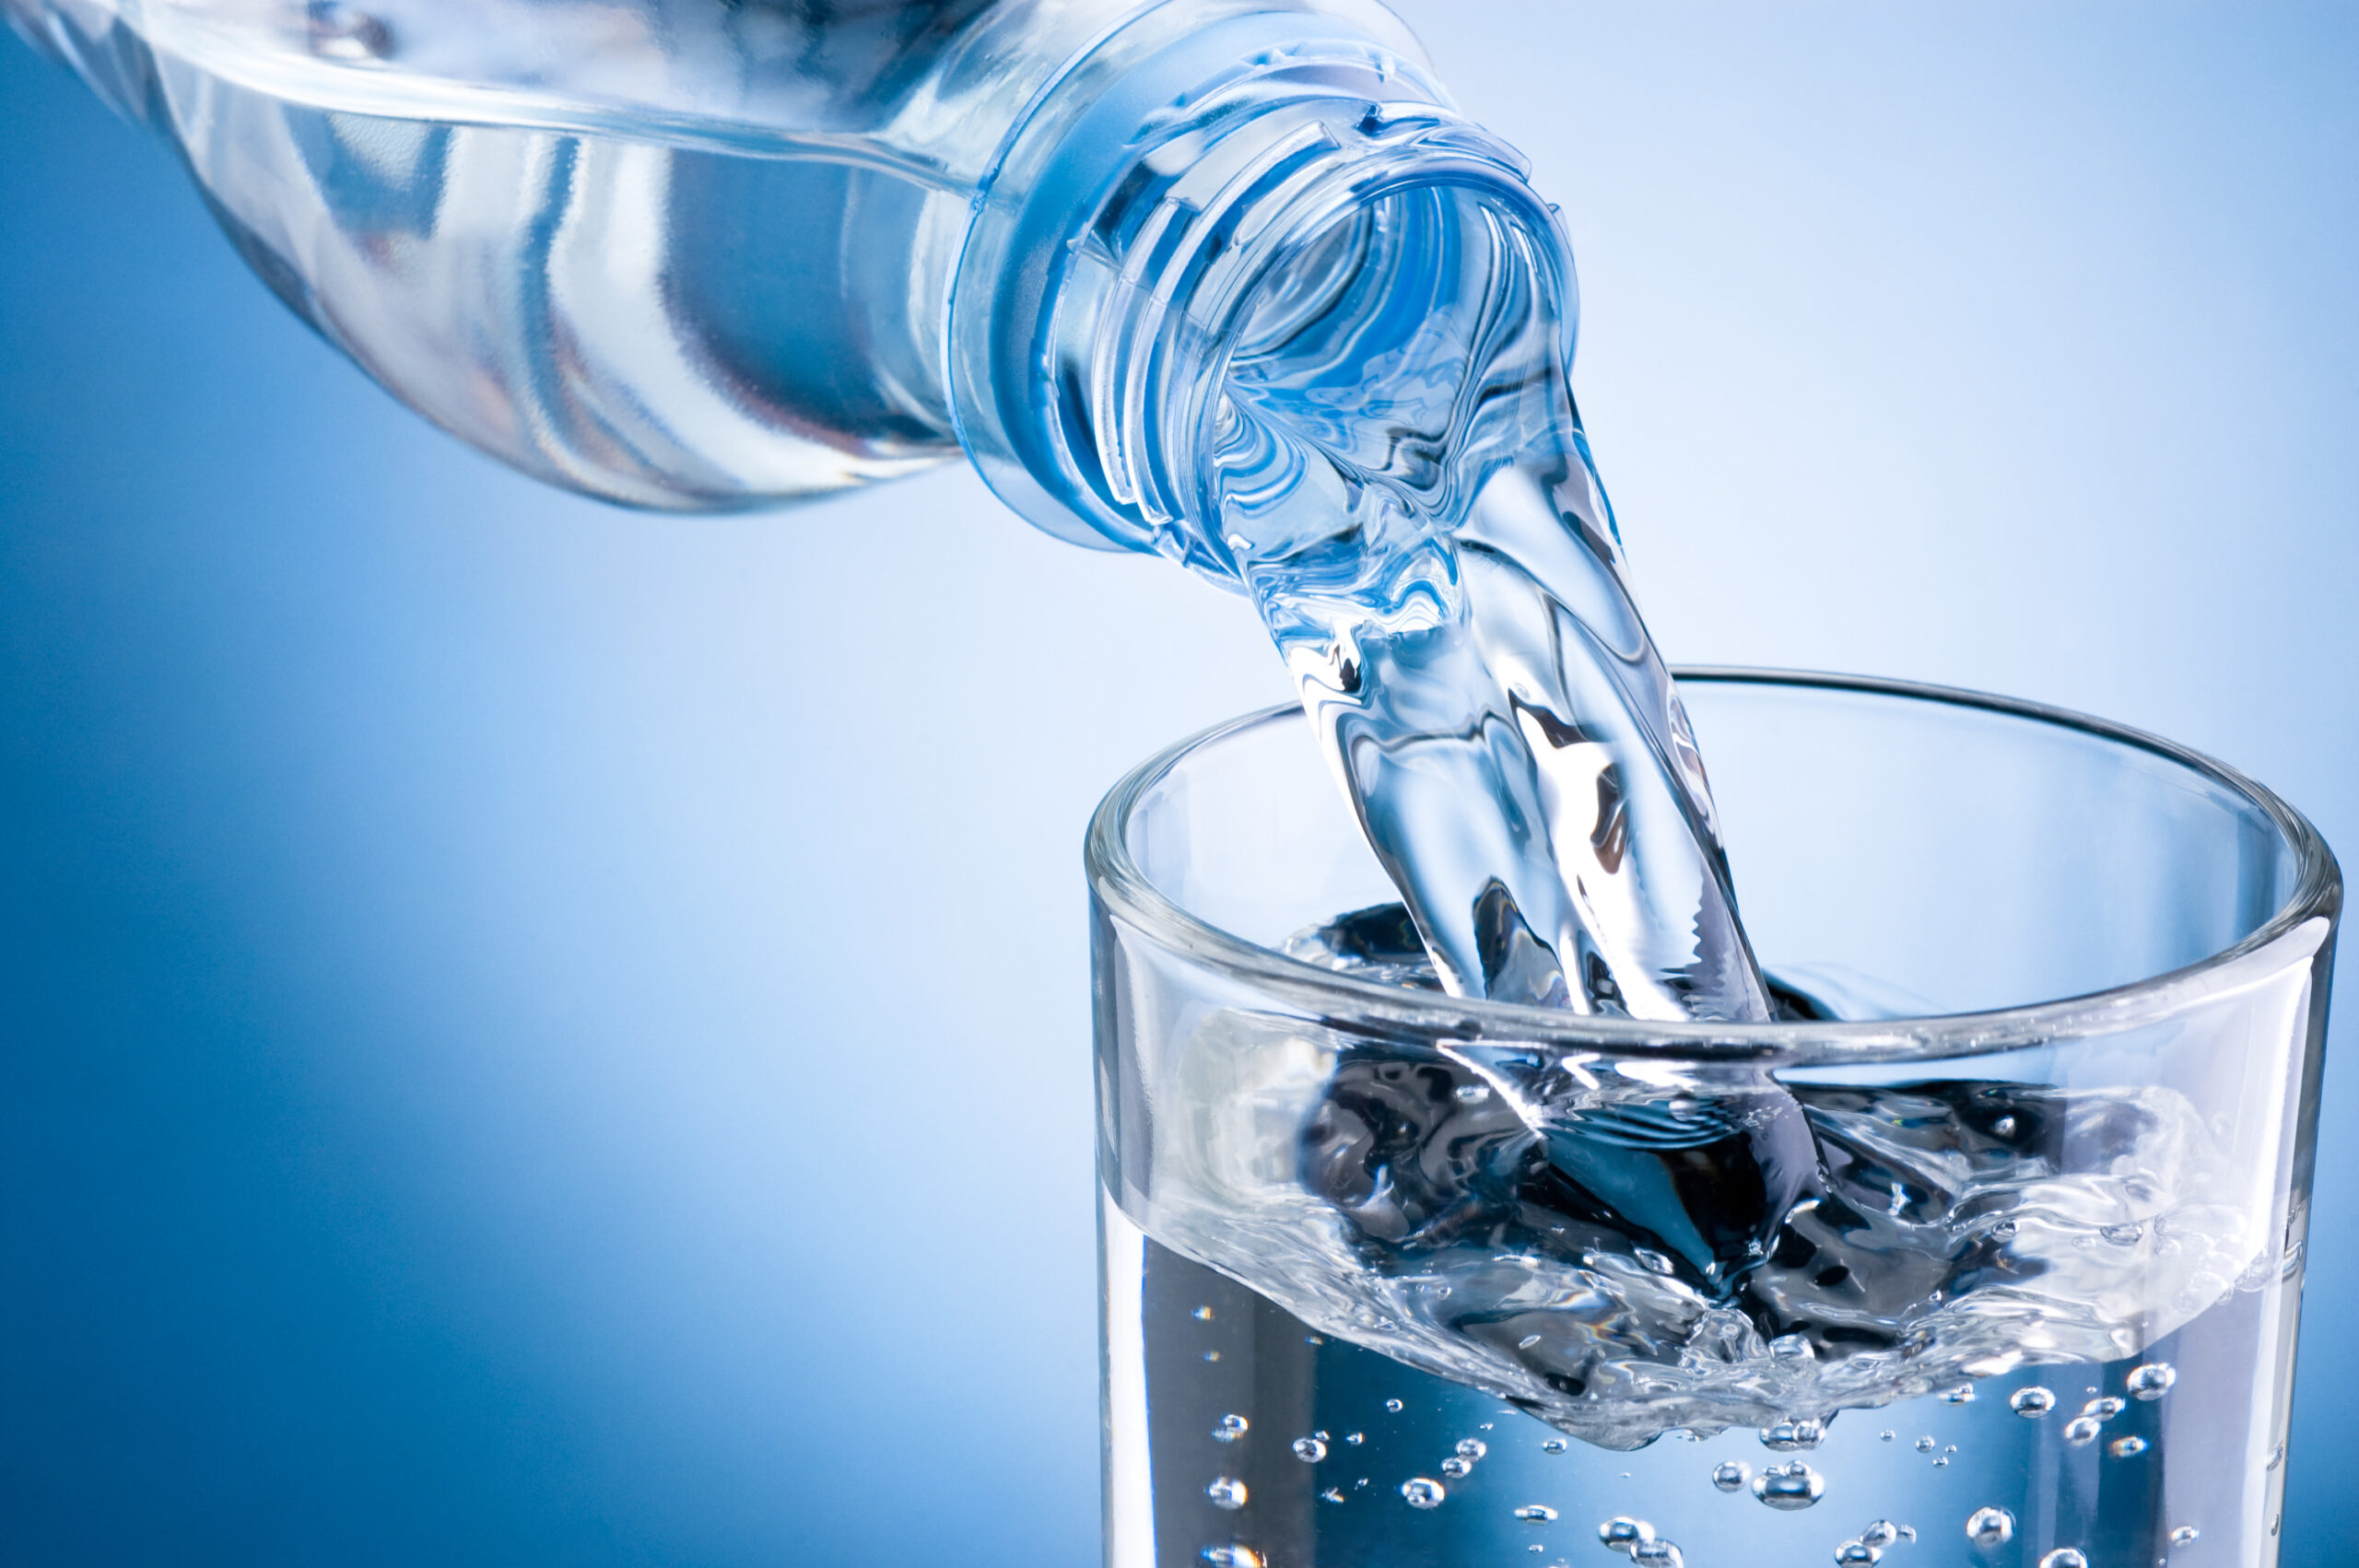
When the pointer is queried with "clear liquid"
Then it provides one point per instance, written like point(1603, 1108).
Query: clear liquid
point(1241, 1436)
point(593, 283)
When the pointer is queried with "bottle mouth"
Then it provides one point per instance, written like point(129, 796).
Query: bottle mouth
point(1189, 192)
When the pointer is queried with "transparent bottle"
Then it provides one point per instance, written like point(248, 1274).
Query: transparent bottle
point(705, 254)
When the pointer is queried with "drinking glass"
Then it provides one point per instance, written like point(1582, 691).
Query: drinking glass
point(1986, 1252)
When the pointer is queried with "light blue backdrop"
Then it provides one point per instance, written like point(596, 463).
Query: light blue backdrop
point(539, 1034)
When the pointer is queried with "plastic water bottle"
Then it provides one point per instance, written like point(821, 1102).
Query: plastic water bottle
point(1227, 279)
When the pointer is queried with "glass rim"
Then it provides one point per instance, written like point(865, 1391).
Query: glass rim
point(2293, 932)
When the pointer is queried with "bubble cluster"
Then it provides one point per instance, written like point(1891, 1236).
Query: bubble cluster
point(2033, 1402)
point(1624, 1534)
point(1421, 1493)
point(1730, 1475)
point(1788, 1487)
point(1229, 1428)
point(1227, 1491)
point(2152, 1380)
point(1786, 1437)
point(1310, 1450)
point(1990, 1526)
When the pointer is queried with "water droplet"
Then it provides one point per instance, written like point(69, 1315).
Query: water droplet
point(1472, 1094)
point(1857, 1552)
point(2081, 1430)
point(2104, 1409)
point(1332, 1494)
point(347, 33)
point(1202, 1315)
point(2152, 1380)
point(1310, 1450)
point(1883, 1532)
point(1423, 1493)
point(1657, 1554)
point(1730, 1475)
point(2034, 1401)
point(1926, 1444)
point(1472, 1447)
point(1355, 1438)
point(1226, 1493)
point(1232, 1557)
point(1961, 1395)
point(1393, 1405)
point(2121, 1235)
point(2064, 1557)
point(2185, 1535)
point(1456, 1469)
point(1554, 1445)
point(1229, 1428)
point(1888, 1434)
point(1790, 1486)
point(1990, 1526)
point(1536, 1514)
point(1787, 1436)
point(2126, 1447)
point(1623, 1533)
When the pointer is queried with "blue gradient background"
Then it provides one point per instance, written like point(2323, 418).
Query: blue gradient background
point(539, 1034)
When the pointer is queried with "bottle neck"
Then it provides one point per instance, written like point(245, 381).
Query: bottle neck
point(1194, 186)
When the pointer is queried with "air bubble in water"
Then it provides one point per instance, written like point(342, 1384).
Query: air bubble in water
point(1472, 1447)
point(1730, 1475)
point(1202, 1315)
point(1536, 1514)
point(2185, 1535)
point(1332, 1494)
point(1888, 1435)
point(1472, 1094)
point(1229, 1428)
point(2004, 1127)
point(1657, 1554)
point(1786, 1437)
point(1942, 1463)
point(1790, 1486)
point(1456, 1469)
point(1232, 1557)
point(1355, 1438)
point(1310, 1450)
point(2276, 1457)
point(2126, 1447)
point(1393, 1405)
point(1554, 1445)
point(1654, 1261)
point(347, 33)
point(1990, 1526)
point(1853, 1552)
point(1961, 1395)
point(2152, 1380)
point(1421, 1493)
point(1926, 1444)
point(1226, 1493)
point(2105, 1409)
point(2034, 1401)
point(1624, 1534)
point(2121, 1235)
point(2064, 1557)
point(2081, 1430)
point(1883, 1532)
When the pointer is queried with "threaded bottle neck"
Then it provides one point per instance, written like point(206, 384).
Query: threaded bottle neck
point(1188, 189)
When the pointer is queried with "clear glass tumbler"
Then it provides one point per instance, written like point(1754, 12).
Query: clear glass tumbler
point(1987, 1252)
